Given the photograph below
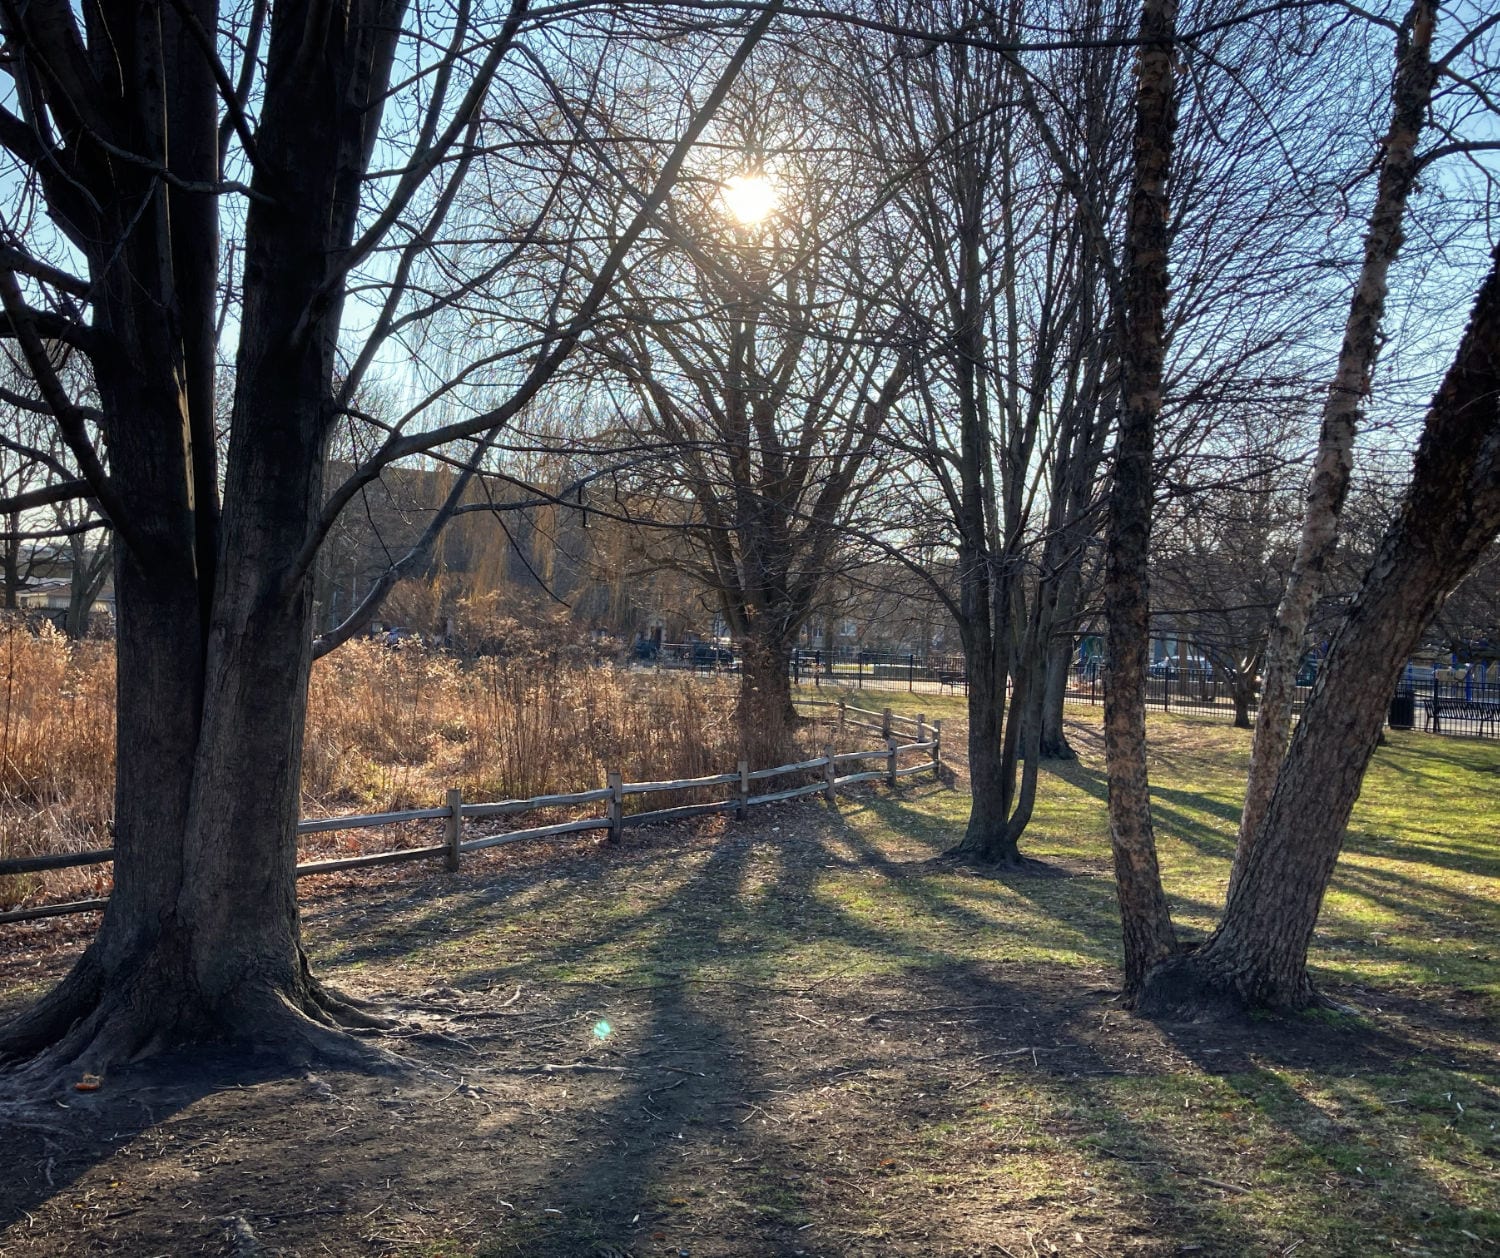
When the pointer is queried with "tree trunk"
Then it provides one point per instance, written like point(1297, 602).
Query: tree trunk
point(88, 577)
point(987, 838)
point(767, 716)
point(1329, 483)
point(1242, 691)
point(1053, 744)
point(1450, 514)
point(200, 939)
point(1145, 921)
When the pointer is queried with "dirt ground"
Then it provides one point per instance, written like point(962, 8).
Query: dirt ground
point(601, 1069)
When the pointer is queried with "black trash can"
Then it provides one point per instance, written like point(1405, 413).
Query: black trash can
point(1403, 713)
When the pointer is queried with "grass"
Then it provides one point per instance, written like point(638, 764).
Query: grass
point(1372, 1131)
point(932, 1061)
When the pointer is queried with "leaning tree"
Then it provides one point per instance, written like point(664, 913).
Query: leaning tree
point(1449, 515)
point(184, 178)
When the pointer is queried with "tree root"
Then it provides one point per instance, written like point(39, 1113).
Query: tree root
point(1026, 866)
point(84, 1029)
point(1185, 988)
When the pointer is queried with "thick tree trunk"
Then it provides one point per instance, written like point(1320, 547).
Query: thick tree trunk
point(200, 939)
point(1328, 484)
point(1450, 514)
point(767, 716)
point(1145, 921)
point(987, 838)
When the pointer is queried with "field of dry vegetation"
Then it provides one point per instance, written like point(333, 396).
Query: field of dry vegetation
point(387, 729)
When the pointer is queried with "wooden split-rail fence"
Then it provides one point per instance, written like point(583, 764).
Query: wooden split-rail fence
point(454, 812)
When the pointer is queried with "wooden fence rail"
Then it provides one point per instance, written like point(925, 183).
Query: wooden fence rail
point(456, 812)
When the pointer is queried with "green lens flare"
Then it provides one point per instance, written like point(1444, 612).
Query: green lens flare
point(602, 1030)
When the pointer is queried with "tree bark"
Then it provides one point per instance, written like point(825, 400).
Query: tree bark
point(1450, 514)
point(1328, 484)
point(200, 938)
point(1145, 921)
point(767, 717)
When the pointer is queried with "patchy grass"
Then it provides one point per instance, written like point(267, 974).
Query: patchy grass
point(819, 1043)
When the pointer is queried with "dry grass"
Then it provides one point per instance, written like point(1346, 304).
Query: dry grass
point(57, 753)
point(394, 728)
point(386, 729)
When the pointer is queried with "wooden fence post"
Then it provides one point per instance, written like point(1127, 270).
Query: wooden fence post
point(937, 748)
point(885, 725)
point(453, 827)
point(841, 722)
point(890, 762)
point(616, 807)
point(921, 727)
point(742, 800)
point(830, 776)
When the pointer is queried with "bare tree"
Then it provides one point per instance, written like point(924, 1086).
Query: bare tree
point(1257, 956)
point(761, 357)
point(141, 143)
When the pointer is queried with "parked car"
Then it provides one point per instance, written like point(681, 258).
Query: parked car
point(710, 655)
point(1174, 666)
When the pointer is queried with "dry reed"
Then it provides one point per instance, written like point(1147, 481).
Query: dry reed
point(387, 728)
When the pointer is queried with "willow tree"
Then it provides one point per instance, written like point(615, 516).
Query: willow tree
point(143, 137)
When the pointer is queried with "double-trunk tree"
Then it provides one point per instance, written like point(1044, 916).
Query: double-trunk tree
point(1257, 956)
point(199, 938)
point(1448, 517)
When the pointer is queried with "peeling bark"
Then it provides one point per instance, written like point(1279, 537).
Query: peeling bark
point(1145, 921)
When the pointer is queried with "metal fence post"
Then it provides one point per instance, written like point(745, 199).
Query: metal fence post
point(911, 673)
point(453, 827)
point(616, 807)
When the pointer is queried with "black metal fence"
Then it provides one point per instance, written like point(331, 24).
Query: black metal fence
point(880, 670)
point(1459, 707)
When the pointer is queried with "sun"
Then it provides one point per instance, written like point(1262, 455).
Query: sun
point(751, 198)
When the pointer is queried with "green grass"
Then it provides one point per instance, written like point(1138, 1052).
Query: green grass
point(1394, 1153)
point(1373, 1131)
